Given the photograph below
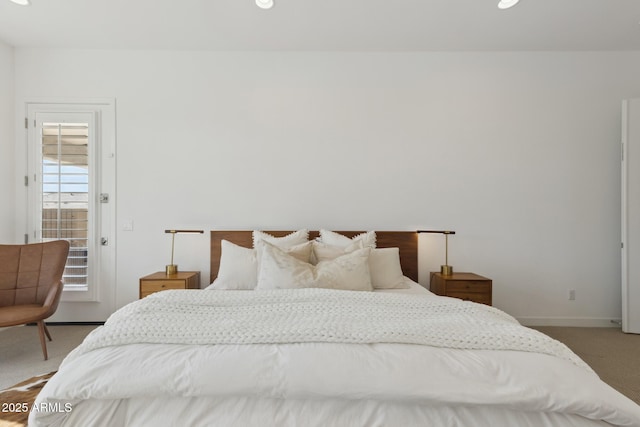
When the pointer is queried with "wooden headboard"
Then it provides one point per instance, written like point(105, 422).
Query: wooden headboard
point(407, 241)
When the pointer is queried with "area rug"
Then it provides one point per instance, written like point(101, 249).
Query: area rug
point(17, 400)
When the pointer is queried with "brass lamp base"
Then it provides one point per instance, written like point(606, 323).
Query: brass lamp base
point(171, 269)
point(446, 270)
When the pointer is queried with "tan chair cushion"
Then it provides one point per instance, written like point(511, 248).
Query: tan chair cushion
point(21, 314)
point(30, 281)
point(27, 272)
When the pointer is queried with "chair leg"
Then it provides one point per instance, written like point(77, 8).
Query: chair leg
point(43, 343)
point(46, 331)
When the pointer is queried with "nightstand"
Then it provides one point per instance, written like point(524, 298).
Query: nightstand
point(466, 286)
point(160, 281)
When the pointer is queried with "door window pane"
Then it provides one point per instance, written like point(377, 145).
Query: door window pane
point(65, 195)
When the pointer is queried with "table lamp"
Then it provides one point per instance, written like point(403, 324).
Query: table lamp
point(173, 268)
point(445, 269)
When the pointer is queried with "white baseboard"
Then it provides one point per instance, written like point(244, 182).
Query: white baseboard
point(582, 322)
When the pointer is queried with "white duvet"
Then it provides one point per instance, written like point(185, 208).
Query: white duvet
point(510, 377)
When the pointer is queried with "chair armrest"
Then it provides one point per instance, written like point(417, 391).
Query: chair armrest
point(52, 294)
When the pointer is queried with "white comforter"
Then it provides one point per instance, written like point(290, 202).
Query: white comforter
point(323, 357)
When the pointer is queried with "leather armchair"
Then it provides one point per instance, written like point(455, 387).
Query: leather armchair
point(31, 284)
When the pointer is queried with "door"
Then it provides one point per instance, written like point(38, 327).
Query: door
point(631, 216)
point(70, 191)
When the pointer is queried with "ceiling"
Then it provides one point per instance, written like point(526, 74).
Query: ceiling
point(323, 25)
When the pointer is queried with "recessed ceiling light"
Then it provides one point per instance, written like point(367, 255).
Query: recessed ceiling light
point(506, 4)
point(264, 4)
point(22, 2)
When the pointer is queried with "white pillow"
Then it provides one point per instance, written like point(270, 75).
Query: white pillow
point(238, 268)
point(368, 239)
point(279, 270)
point(325, 252)
point(384, 263)
point(289, 240)
point(386, 272)
point(239, 265)
point(302, 251)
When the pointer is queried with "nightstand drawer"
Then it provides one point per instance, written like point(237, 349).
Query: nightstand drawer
point(465, 286)
point(162, 285)
point(468, 286)
point(161, 282)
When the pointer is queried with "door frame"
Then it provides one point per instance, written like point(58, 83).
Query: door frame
point(98, 304)
point(629, 219)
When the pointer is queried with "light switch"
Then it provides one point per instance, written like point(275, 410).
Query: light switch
point(127, 225)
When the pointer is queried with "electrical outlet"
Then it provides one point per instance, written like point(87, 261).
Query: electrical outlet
point(572, 294)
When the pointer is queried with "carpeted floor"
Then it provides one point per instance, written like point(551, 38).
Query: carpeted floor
point(21, 354)
point(614, 355)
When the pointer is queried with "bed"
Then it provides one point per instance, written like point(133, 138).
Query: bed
point(322, 355)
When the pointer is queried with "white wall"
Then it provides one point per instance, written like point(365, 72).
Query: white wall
point(517, 152)
point(7, 161)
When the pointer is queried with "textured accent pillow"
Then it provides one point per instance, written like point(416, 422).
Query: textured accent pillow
point(368, 239)
point(325, 252)
point(301, 251)
point(292, 239)
point(239, 265)
point(385, 268)
point(384, 263)
point(279, 270)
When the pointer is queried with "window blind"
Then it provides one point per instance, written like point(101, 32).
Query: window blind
point(65, 195)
